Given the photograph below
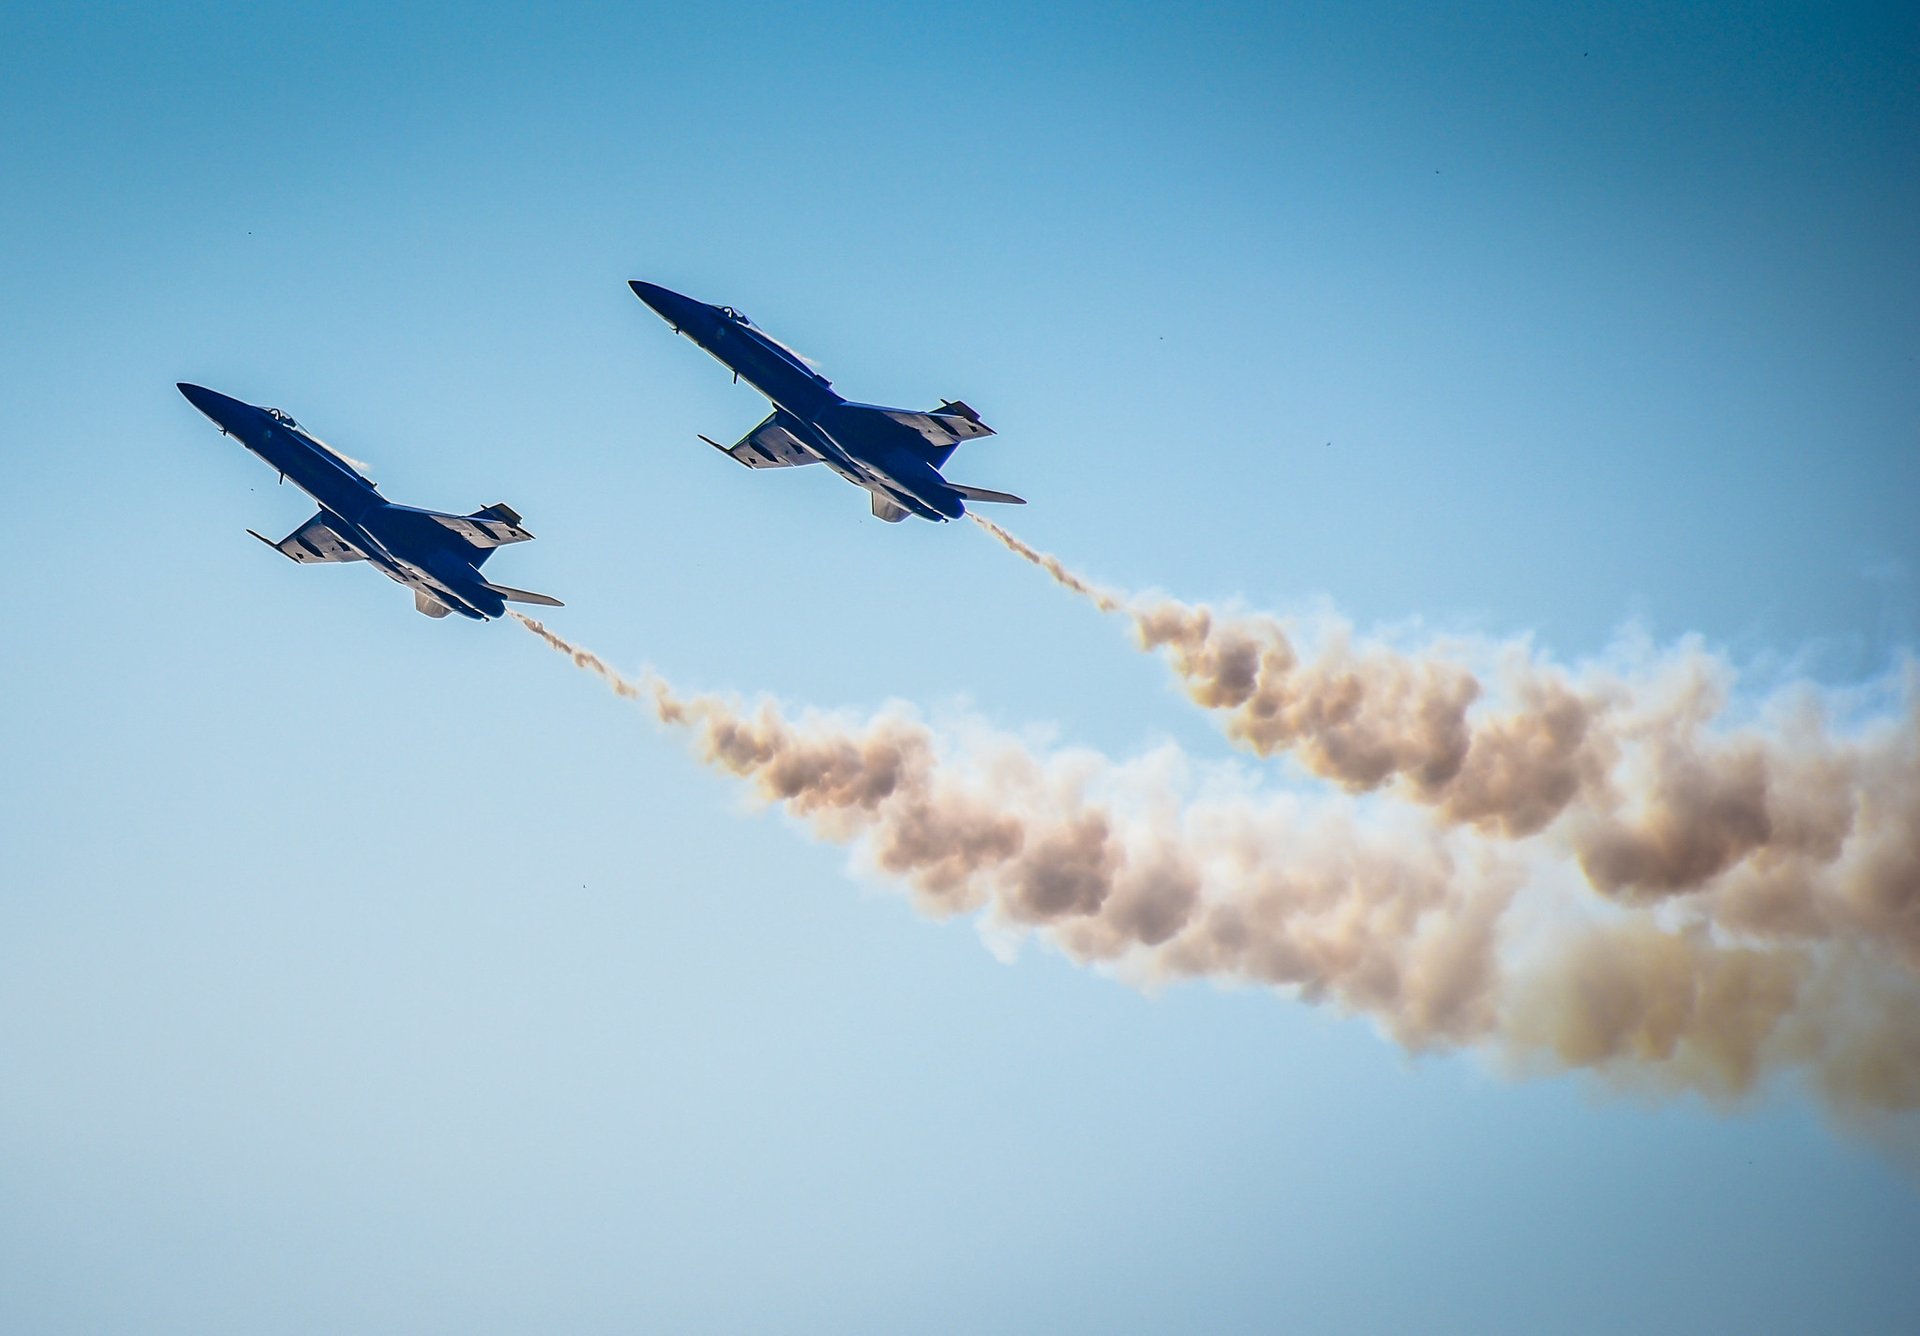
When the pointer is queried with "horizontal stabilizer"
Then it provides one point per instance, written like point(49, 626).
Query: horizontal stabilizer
point(983, 494)
point(523, 596)
point(425, 602)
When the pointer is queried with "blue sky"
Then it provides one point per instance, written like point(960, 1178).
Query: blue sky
point(361, 971)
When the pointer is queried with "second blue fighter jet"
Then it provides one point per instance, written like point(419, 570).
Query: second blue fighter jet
point(893, 453)
point(434, 554)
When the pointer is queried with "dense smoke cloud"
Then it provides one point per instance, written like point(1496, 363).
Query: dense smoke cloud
point(1787, 828)
point(1444, 938)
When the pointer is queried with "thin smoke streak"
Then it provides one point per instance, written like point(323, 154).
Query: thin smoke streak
point(1422, 929)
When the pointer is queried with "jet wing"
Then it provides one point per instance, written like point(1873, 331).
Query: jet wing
point(949, 424)
point(314, 541)
point(941, 428)
point(774, 444)
point(495, 526)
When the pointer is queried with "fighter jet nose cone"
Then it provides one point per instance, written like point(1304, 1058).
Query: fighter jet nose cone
point(199, 396)
point(668, 304)
point(212, 403)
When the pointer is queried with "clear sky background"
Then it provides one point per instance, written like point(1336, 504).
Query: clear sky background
point(365, 972)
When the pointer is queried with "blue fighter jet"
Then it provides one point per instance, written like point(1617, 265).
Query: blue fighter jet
point(894, 453)
point(437, 556)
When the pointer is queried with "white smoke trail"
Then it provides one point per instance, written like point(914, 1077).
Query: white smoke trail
point(1441, 937)
point(1789, 829)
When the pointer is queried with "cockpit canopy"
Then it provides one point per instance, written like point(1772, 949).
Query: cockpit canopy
point(738, 317)
point(283, 417)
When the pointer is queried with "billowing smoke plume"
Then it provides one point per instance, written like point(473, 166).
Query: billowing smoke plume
point(1444, 938)
point(1787, 828)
